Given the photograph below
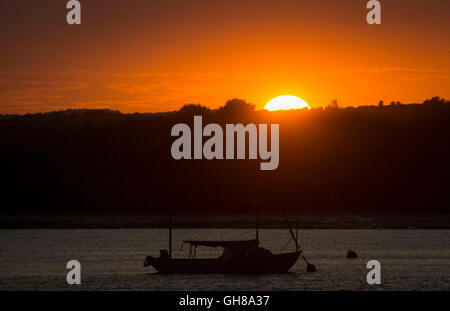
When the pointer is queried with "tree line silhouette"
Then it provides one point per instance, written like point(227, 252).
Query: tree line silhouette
point(370, 159)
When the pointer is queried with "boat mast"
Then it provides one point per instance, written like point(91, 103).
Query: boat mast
point(257, 228)
point(170, 235)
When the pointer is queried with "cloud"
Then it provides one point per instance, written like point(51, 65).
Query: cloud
point(414, 78)
point(397, 70)
point(33, 91)
point(405, 73)
point(40, 86)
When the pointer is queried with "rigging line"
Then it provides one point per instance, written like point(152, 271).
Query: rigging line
point(297, 246)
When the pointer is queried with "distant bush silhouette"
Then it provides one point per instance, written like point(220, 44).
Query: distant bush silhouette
point(194, 109)
point(237, 107)
point(436, 100)
point(333, 105)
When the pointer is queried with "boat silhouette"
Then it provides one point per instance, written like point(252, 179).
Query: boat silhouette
point(238, 257)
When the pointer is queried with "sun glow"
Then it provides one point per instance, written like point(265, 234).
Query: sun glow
point(286, 102)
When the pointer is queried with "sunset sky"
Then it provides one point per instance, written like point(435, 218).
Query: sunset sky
point(157, 55)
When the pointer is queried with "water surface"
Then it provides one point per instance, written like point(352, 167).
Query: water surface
point(111, 259)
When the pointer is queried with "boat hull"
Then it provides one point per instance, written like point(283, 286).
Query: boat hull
point(277, 263)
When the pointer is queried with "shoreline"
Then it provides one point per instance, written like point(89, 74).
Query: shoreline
point(316, 221)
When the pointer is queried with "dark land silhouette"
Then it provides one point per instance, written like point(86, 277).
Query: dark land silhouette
point(389, 158)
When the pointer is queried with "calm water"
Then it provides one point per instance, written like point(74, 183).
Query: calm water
point(111, 259)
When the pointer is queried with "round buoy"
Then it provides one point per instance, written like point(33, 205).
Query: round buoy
point(352, 254)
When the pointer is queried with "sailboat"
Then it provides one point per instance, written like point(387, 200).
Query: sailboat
point(238, 257)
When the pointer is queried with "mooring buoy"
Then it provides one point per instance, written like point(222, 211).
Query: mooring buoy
point(352, 254)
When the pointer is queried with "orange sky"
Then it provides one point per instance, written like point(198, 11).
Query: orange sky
point(156, 55)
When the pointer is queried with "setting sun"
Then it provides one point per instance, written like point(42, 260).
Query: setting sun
point(286, 102)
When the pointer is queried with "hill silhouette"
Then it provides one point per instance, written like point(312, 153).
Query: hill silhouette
point(386, 158)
